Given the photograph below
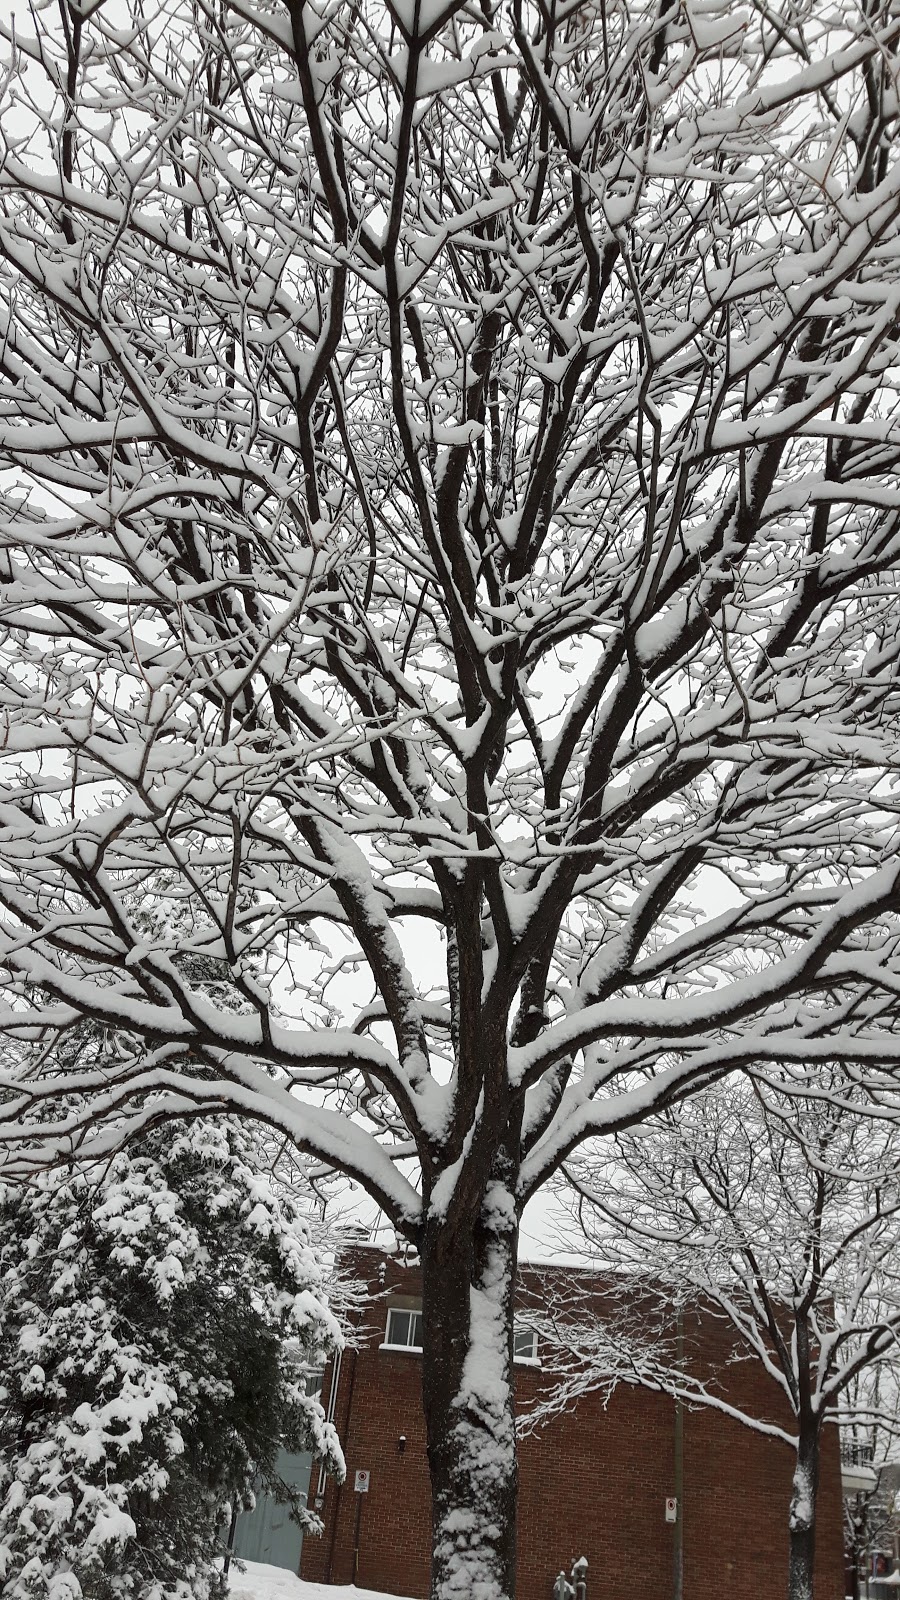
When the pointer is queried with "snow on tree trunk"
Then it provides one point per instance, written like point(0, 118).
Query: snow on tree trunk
point(468, 1283)
point(802, 1521)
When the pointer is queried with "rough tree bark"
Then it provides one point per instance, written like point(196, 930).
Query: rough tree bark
point(468, 1277)
point(802, 1516)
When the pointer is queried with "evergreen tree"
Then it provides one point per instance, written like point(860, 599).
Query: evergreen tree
point(159, 1317)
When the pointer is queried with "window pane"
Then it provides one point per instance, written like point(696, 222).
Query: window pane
point(398, 1327)
point(525, 1344)
point(415, 1337)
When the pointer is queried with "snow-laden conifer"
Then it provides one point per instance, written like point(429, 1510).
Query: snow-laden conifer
point(160, 1317)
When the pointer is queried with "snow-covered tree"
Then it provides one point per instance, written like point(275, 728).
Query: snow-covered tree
point(159, 1319)
point(870, 1447)
point(449, 552)
point(776, 1207)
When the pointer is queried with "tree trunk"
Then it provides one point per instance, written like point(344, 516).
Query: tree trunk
point(803, 1513)
point(467, 1301)
point(854, 1577)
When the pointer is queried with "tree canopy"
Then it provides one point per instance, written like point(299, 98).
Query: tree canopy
point(448, 562)
point(358, 368)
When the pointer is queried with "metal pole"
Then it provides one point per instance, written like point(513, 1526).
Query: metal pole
point(678, 1541)
point(359, 1501)
point(337, 1499)
point(229, 1549)
point(336, 1360)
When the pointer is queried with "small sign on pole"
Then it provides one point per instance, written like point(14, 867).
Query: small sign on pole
point(361, 1482)
point(671, 1508)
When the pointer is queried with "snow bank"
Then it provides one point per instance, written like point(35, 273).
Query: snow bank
point(261, 1582)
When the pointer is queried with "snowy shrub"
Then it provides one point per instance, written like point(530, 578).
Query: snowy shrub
point(158, 1320)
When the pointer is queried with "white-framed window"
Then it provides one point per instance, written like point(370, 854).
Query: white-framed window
point(404, 1330)
point(525, 1345)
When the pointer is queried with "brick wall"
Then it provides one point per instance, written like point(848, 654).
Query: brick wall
point(593, 1482)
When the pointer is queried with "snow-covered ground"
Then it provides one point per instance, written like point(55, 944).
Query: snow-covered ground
point(259, 1582)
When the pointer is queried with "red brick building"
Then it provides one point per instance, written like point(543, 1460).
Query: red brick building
point(593, 1482)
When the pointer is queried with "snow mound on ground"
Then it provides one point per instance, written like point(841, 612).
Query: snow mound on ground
point(261, 1582)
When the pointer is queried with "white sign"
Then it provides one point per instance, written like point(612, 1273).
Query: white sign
point(671, 1509)
point(361, 1482)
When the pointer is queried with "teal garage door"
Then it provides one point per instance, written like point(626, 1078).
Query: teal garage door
point(267, 1533)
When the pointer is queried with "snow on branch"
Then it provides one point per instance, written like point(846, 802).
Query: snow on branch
point(449, 550)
